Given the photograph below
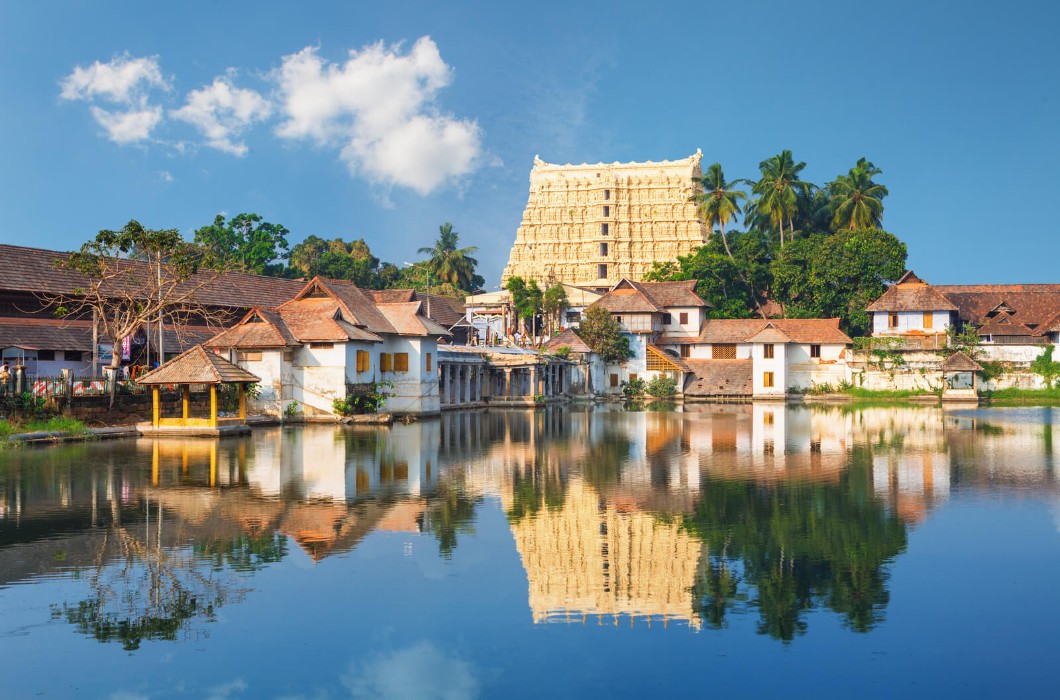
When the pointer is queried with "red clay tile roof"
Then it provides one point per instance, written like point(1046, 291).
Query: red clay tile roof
point(673, 294)
point(959, 362)
point(56, 334)
point(258, 329)
point(406, 319)
point(359, 308)
point(910, 293)
point(567, 338)
point(719, 378)
point(649, 297)
point(32, 270)
point(197, 366)
point(798, 330)
point(1033, 304)
point(1003, 325)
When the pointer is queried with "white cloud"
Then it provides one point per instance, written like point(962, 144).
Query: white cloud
point(380, 108)
point(222, 112)
point(165, 176)
point(125, 84)
point(420, 672)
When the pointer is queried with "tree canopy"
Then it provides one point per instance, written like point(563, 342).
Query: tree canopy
point(602, 333)
point(451, 264)
point(245, 242)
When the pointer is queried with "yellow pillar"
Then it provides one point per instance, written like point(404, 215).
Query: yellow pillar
point(185, 400)
point(156, 409)
point(213, 405)
point(242, 401)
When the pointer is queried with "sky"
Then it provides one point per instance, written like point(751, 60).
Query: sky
point(382, 120)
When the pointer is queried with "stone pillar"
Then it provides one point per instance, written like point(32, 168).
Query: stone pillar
point(442, 383)
point(535, 380)
point(467, 384)
point(506, 392)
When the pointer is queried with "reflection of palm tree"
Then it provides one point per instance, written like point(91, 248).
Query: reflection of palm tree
point(450, 511)
point(716, 588)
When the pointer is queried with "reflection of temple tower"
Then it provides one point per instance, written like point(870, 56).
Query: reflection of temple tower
point(594, 558)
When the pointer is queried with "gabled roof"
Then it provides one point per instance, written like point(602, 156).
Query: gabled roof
point(910, 293)
point(780, 330)
point(673, 294)
point(1050, 326)
point(406, 319)
point(959, 362)
point(357, 307)
point(660, 354)
point(1032, 304)
point(1003, 325)
point(567, 338)
point(197, 366)
point(628, 297)
point(260, 328)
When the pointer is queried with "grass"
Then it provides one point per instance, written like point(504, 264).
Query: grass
point(70, 426)
point(886, 394)
point(1048, 397)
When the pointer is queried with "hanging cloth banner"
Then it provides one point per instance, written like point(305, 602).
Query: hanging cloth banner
point(126, 348)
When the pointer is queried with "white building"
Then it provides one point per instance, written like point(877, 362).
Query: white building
point(332, 341)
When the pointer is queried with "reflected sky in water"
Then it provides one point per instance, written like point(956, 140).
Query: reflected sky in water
point(574, 553)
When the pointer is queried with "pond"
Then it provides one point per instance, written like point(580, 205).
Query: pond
point(747, 548)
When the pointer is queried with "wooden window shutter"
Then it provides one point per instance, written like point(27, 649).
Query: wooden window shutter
point(401, 362)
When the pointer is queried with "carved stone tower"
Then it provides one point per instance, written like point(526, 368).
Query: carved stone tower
point(591, 225)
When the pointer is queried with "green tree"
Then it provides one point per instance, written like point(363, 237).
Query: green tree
point(527, 300)
point(553, 302)
point(719, 203)
point(778, 193)
point(1046, 367)
point(451, 264)
point(305, 255)
point(603, 335)
point(857, 201)
point(245, 242)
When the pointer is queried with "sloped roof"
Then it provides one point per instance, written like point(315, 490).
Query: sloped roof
point(1050, 326)
point(959, 362)
point(794, 330)
point(406, 319)
point(770, 334)
point(677, 362)
point(33, 270)
point(197, 366)
point(567, 338)
point(260, 328)
point(649, 297)
point(61, 334)
point(1033, 304)
point(719, 378)
point(1004, 325)
point(673, 294)
point(358, 307)
point(910, 293)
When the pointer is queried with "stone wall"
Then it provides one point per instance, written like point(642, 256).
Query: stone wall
point(645, 208)
point(129, 408)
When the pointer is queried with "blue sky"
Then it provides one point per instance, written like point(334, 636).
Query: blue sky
point(383, 120)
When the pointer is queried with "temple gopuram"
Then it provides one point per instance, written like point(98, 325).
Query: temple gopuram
point(591, 225)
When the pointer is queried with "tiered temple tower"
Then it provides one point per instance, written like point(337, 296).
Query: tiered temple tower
point(592, 225)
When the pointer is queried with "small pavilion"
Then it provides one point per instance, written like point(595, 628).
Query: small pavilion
point(959, 372)
point(197, 366)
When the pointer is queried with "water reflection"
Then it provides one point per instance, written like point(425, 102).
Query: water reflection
point(619, 518)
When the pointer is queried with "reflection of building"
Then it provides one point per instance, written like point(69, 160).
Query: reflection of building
point(593, 558)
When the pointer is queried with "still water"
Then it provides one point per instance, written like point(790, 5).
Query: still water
point(751, 549)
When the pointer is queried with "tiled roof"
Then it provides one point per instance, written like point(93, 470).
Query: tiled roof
point(673, 294)
point(1032, 304)
point(719, 378)
point(770, 334)
point(33, 270)
point(677, 362)
point(197, 366)
point(649, 297)
point(796, 330)
point(258, 329)
point(959, 362)
point(359, 308)
point(406, 319)
point(1003, 325)
point(910, 293)
point(1050, 326)
point(56, 334)
point(567, 338)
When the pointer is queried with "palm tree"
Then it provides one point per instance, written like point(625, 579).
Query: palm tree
point(778, 193)
point(857, 200)
point(449, 263)
point(718, 203)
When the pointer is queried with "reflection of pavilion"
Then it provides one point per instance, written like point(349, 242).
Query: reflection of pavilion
point(593, 558)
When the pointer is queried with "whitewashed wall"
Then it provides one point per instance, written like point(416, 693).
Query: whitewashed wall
point(909, 321)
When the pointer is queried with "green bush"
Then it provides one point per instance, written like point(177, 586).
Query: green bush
point(633, 388)
point(662, 386)
point(363, 398)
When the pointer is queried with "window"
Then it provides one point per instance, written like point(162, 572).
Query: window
point(386, 362)
point(288, 355)
point(603, 250)
point(618, 320)
point(322, 346)
point(601, 271)
point(607, 211)
point(428, 362)
point(73, 355)
point(686, 351)
point(45, 355)
point(723, 352)
point(683, 316)
point(603, 229)
point(363, 361)
point(767, 380)
point(614, 380)
point(767, 351)
point(667, 319)
point(815, 351)
point(607, 194)
point(929, 319)
point(250, 356)
point(892, 320)
point(401, 362)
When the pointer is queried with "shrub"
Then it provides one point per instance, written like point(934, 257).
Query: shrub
point(662, 386)
point(363, 398)
point(562, 352)
point(632, 388)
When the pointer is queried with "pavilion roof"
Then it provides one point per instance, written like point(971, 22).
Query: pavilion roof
point(959, 362)
point(197, 366)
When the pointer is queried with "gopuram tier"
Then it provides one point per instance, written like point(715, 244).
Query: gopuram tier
point(591, 225)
